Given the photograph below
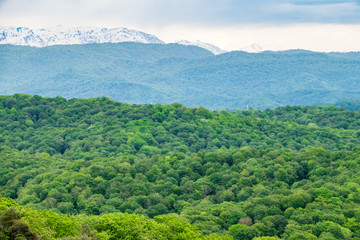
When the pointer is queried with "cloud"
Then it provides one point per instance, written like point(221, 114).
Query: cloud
point(321, 2)
point(160, 13)
point(323, 12)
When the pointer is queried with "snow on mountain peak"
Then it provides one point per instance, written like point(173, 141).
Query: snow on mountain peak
point(254, 48)
point(212, 48)
point(78, 35)
point(60, 35)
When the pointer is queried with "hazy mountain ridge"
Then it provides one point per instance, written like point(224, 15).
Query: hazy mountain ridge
point(166, 73)
point(253, 48)
point(212, 48)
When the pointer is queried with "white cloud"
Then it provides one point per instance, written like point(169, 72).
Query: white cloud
point(158, 13)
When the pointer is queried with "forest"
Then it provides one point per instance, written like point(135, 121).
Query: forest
point(100, 169)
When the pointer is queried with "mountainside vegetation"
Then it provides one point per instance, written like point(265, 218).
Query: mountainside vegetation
point(349, 104)
point(100, 169)
point(167, 73)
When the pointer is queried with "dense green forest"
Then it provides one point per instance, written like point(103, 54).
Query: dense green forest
point(167, 73)
point(100, 169)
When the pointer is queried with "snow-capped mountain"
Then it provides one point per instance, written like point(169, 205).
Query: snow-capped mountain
point(254, 48)
point(60, 35)
point(77, 35)
point(212, 48)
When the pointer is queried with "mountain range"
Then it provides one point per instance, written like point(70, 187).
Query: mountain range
point(193, 76)
point(78, 35)
point(60, 35)
point(212, 48)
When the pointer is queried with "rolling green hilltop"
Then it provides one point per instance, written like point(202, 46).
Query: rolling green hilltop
point(158, 73)
point(100, 169)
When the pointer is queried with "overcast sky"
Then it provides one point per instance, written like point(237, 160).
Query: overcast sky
point(320, 25)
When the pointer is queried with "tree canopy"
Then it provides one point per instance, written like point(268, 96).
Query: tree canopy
point(100, 169)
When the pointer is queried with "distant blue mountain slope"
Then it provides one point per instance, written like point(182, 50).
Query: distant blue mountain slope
point(166, 73)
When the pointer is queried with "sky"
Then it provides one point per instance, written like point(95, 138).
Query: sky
point(318, 25)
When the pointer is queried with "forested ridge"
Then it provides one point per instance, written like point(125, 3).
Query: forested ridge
point(100, 169)
point(167, 73)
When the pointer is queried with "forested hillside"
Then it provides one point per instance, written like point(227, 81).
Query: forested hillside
point(349, 104)
point(171, 172)
point(167, 73)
